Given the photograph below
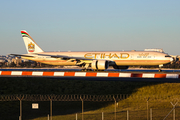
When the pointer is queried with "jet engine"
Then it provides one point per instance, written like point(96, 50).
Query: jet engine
point(99, 64)
point(120, 67)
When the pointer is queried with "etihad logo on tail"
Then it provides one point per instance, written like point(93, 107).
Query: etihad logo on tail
point(31, 47)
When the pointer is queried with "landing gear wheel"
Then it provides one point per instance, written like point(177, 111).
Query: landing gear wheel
point(86, 70)
point(98, 70)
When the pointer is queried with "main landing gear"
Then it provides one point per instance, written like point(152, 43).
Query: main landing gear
point(86, 67)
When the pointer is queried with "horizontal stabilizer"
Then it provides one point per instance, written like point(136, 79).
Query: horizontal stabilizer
point(22, 55)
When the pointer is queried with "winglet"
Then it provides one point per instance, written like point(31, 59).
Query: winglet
point(31, 45)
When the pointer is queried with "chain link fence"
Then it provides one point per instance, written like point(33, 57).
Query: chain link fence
point(89, 107)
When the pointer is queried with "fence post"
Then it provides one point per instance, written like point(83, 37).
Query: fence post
point(50, 98)
point(115, 106)
point(174, 106)
point(48, 117)
point(148, 107)
point(102, 116)
point(174, 114)
point(20, 99)
point(127, 114)
point(150, 113)
point(20, 109)
point(82, 107)
point(50, 109)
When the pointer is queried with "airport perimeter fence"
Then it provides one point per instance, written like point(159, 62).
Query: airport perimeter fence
point(89, 107)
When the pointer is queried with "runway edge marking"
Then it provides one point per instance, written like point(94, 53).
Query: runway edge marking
point(148, 75)
point(89, 74)
point(16, 73)
point(172, 75)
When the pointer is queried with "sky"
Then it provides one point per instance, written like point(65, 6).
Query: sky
point(90, 25)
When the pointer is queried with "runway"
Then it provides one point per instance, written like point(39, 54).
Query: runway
point(123, 75)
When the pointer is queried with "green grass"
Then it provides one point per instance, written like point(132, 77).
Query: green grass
point(161, 94)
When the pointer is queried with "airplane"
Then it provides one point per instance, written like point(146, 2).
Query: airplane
point(93, 60)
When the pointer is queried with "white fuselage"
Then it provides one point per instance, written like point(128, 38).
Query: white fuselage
point(121, 58)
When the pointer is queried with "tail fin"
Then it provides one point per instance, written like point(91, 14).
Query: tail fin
point(31, 45)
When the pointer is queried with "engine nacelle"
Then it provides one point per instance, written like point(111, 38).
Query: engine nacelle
point(120, 67)
point(99, 64)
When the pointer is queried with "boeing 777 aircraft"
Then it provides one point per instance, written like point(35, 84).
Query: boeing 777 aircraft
point(93, 60)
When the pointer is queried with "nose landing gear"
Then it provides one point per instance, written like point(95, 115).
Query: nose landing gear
point(160, 66)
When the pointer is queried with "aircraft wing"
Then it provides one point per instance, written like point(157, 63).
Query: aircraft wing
point(53, 56)
point(65, 57)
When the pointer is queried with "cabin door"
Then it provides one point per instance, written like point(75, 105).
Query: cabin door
point(132, 56)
